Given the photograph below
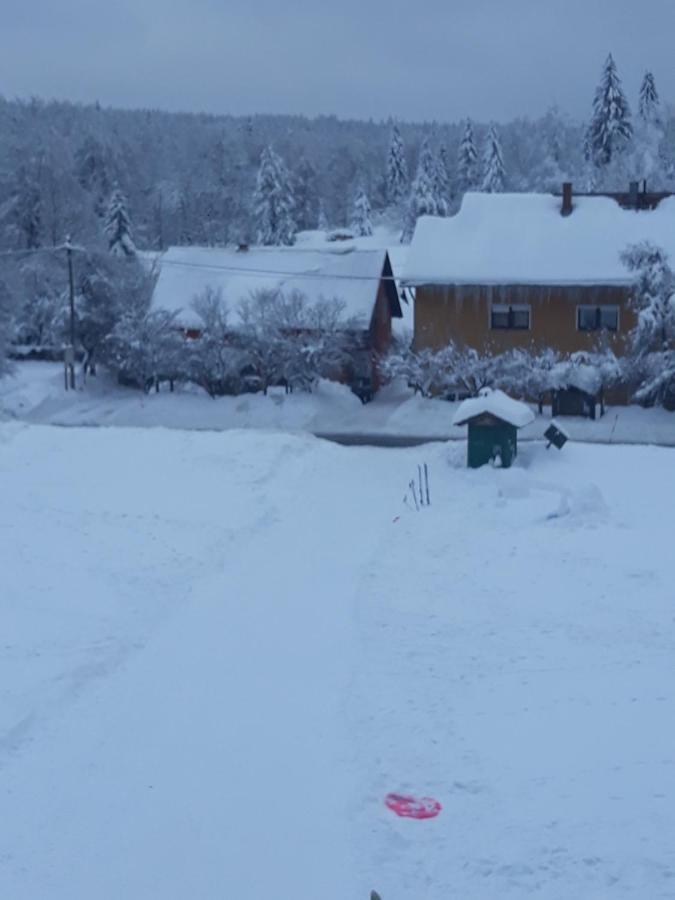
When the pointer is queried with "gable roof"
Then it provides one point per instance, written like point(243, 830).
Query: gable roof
point(523, 239)
point(496, 403)
point(350, 275)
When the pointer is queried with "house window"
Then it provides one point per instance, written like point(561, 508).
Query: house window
point(515, 317)
point(597, 318)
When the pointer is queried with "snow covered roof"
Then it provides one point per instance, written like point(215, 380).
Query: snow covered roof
point(344, 272)
point(497, 404)
point(523, 239)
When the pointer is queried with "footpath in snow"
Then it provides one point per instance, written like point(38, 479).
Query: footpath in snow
point(35, 394)
point(221, 651)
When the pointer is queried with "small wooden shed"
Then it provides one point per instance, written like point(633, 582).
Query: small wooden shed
point(574, 401)
point(493, 419)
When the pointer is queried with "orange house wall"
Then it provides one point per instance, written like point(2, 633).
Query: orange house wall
point(461, 313)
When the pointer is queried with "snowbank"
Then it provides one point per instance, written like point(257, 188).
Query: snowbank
point(35, 394)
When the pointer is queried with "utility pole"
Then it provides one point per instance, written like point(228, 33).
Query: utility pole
point(69, 357)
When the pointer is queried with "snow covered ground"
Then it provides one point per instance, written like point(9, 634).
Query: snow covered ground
point(35, 394)
point(221, 650)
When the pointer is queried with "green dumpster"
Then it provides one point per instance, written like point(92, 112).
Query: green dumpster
point(493, 419)
point(491, 440)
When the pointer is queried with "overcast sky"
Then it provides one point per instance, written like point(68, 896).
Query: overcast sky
point(430, 59)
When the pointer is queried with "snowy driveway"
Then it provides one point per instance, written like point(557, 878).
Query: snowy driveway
point(220, 652)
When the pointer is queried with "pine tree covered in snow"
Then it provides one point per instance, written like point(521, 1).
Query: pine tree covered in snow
point(427, 161)
point(273, 202)
point(650, 105)
point(467, 161)
point(306, 196)
point(648, 158)
point(422, 202)
point(322, 223)
point(117, 226)
point(397, 169)
point(442, 174)
point(610, 129)
point(494, 174)
point(652, 341)
point(424, 198)
point(361, 223)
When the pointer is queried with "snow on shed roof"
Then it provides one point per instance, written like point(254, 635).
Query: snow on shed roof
point(523, 239)
point(497, 404)
point(348, 274)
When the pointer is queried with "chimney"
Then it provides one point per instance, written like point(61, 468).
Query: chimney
point(633, 188)
point(566, 208)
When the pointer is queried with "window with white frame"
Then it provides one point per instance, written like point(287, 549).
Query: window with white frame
point(514, 317)
point(597, 318)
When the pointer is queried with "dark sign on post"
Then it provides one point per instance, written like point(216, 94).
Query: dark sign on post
point(555, 435)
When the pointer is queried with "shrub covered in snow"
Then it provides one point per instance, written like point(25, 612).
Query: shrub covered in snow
point(291, 341)
point(146, 348)
point(37, 285)
point(457, 370)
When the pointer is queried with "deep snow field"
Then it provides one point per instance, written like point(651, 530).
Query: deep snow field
point(220, 651)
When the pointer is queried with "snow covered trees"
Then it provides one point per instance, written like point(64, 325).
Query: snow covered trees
point(467, 161)
point(107, 290)
point(652, 341)
point(494, 174)
point(442, 178)
point(649, 160)
point(649, 104)
point(145, 348)
point(361, 223)
point(273, 202)
point(458, 371)
point(289, 341)
point(25, 208)
point(610, 129)
point(397, 179)
point(210, 360)
point(41, 283)
point(424, 198)
point(422, 202)
point(305, 195)
point(6, 322)
point(117, 227)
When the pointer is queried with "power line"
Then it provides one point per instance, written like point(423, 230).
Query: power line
point(250, 270)
point(31, 252)
point(246, 271)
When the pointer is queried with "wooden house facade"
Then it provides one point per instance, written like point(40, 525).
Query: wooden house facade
point(533, 271)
